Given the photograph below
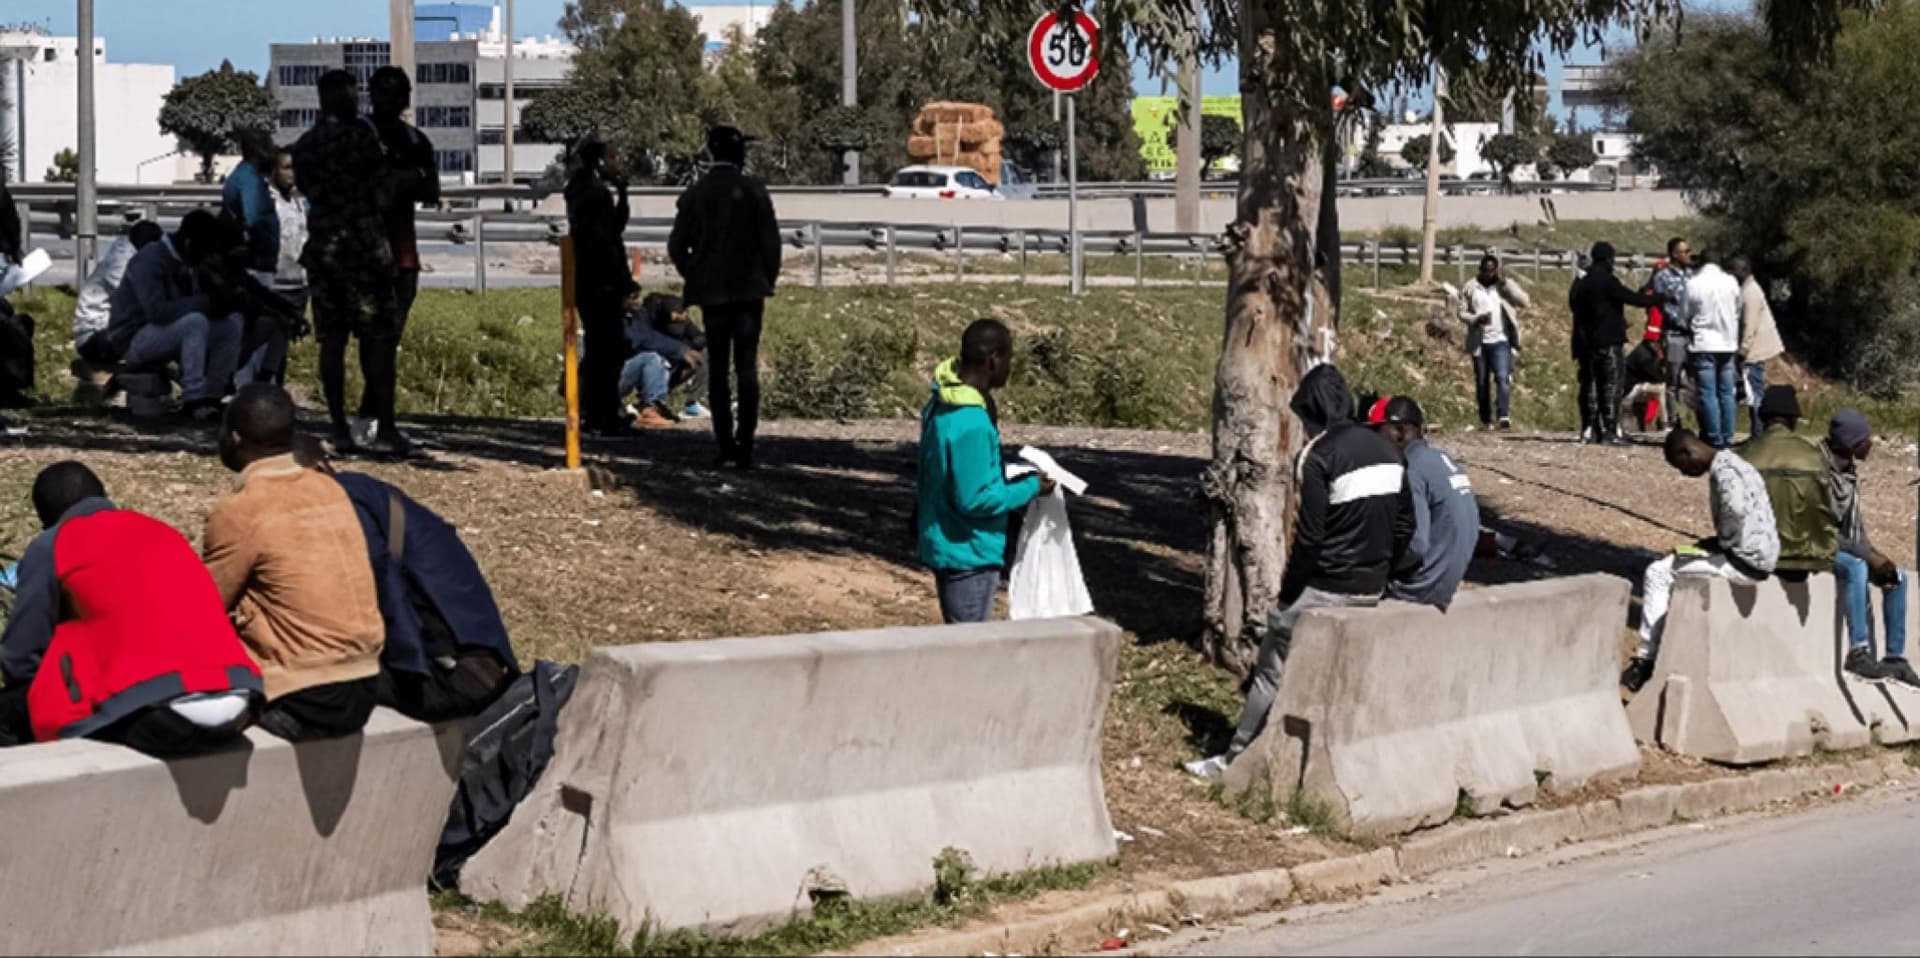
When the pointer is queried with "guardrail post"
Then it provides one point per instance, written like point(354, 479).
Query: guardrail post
point(480, 252)
point(1139, 259)
point(889, 254)
point(1376, 244)
point(819, 258)
point(1076, 262)
point(1023, 257)
point(1459, 257)
point(959, 253)
point(1536, 264)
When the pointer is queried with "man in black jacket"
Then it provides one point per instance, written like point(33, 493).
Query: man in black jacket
point(726, 245)
point(598, 224)
point(1598, 300)
point(1354, 523)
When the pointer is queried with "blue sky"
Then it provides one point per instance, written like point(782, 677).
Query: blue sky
point(177, 31)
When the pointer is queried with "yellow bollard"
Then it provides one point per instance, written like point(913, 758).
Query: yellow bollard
point(570, 325)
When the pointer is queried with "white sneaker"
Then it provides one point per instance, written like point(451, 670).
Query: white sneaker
point(1212, 769)
point(364, 430)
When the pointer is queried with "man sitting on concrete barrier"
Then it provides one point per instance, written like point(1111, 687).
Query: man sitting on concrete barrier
point(117, 633)
point(964, 496)
point(287, 552)
point(1355, 522)
point(1446, 517)
point(162, 313)
point(1744, 548)
point(1858, 564)
point(1796, 477)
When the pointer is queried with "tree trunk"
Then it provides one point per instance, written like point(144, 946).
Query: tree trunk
point(1269, 339)
point(1430, 213)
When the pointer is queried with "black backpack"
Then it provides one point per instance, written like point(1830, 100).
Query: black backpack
point(508, 747)
point(16, 358)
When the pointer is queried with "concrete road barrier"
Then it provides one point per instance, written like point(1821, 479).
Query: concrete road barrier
point(1390, 716)
point(1753, 674)
point(273, 849)
point(725, 784)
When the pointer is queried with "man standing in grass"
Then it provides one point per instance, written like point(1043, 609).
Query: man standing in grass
point(965, 498)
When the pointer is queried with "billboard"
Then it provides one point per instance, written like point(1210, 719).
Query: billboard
point(1153, 120)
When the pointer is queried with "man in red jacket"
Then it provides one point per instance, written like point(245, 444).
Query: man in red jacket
point(118, 632)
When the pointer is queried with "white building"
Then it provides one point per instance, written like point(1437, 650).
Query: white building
point(1466, 139)
point(39, 84)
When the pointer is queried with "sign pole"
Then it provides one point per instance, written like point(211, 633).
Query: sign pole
point(1079, 285)
point(570, 328)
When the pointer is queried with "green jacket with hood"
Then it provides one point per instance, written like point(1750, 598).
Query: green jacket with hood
point(964, 495)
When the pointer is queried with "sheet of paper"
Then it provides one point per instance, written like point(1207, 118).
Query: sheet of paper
point(36, 263)
point(1067, 480)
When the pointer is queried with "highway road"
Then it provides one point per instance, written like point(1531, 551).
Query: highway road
point(1838, 880)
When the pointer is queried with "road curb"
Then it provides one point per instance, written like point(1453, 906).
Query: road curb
point(1085, 926)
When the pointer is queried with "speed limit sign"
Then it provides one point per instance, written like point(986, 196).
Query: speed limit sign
point(1064, 52)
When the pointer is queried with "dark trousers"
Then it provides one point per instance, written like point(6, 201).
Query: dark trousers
point(158, 731)
point(1602, 371)
point(733, 342)
point(323, 711)
point(604, 322)
point(474, 681)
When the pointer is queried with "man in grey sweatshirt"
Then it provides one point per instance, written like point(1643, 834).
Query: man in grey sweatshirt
point(1445, 514)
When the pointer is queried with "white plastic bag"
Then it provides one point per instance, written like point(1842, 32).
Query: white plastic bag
point(1045, 582)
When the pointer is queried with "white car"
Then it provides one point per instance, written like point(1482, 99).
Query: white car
point(941, 183)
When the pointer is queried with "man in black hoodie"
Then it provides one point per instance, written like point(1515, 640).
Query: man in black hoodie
point(1354, 523)
point(726, 245)
point(1599, 302)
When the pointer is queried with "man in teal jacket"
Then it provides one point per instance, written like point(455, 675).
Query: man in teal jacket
point(965, 497)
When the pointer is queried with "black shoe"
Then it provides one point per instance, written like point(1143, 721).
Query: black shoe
point(390, 443)
point(342, 442)
point(1589, 436)
point(1636, 675)
point(724, 460)
point(1861, 663)
point(1616, 438)
point(1896, 669)
point(1506, 425)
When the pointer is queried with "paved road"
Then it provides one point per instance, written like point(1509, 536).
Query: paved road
point(1838, 880)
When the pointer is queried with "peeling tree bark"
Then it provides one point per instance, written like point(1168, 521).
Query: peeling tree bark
point(1269, 339)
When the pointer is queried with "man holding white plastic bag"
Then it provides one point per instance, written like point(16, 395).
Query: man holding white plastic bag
point(964, 495)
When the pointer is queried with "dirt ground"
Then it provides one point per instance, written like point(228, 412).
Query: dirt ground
point(818, 539)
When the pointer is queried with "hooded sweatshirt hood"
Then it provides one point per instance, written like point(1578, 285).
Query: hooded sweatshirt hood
point(1323, 399)
point(950, 390)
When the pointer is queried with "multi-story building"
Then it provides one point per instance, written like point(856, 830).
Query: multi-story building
point(460, 55)
point(39, 83)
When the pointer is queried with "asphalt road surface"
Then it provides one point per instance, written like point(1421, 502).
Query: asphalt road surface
point(1841, 879)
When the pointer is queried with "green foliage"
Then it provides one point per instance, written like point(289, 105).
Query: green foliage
point(1570, 153)
point(204, 112)
point(636, 81)
point(1808, 168)
point(1220, 137)
point(1508, 152)
point(65, 168)
point(1371, 164)
point(1414, 151)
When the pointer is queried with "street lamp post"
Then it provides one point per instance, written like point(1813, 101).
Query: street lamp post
point(849, 81)
point(86, 227)
point(511, 114)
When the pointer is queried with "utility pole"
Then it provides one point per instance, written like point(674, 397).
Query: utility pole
point(512, 114)
point(400, 40)
point(87, 228)
point(849, 81)
point(1430, 217)
point(1186, 170)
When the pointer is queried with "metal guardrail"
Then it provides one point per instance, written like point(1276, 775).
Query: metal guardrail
point(477, 229)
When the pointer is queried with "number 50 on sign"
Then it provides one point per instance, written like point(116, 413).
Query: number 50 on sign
point(1064, 53)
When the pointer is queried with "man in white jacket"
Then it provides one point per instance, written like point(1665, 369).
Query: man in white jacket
point(1713, 309)
point(1490, 307)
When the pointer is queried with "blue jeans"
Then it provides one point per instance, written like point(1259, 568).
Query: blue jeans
point(966, 595)
point(1716, 373)
point(1493, 372)
point(208, 351)
point(648, 372)
point(1756, 388)
point(1852, 572)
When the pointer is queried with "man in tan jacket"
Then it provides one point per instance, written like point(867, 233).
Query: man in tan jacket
point(1759, 337)
point(286, 550)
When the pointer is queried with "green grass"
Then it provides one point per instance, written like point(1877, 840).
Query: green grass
point(1627, 236)
point(1116, 357)
point(836, 923)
